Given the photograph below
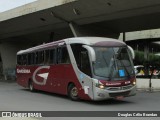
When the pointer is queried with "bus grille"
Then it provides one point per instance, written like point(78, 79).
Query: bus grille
point(119, 88)
point(119, 94)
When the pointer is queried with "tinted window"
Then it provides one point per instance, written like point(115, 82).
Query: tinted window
point(31, 58)
point(50, 56)
point(22, 59)
point(85, 63)
point(19, 59)
point(39, 57)
point(63, 56)
point(82, 58)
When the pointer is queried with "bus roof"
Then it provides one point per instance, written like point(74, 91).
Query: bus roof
point(97, 41)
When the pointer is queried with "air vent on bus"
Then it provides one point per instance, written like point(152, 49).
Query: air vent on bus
point(119, 88)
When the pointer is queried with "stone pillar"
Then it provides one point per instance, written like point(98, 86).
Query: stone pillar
point(124, 37)
point(146, 52)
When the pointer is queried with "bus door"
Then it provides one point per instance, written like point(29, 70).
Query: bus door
point(86, 74)
point(83, 69)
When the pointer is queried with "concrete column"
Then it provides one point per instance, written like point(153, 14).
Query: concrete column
point(8, 55)
point(146, 52)
point(124, 37)
point(8, 52)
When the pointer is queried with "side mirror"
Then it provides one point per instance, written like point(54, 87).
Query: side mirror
point(91, 52)
point(131, 51)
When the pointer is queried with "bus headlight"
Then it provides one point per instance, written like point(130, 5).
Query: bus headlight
point(101, 86)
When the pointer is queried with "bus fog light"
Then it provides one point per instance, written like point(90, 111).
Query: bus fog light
point(101, 95)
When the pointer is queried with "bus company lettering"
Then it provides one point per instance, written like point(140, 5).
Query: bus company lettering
point(23, 71)
point(110, 84)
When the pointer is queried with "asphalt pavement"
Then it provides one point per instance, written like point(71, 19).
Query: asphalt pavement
point(16, 98)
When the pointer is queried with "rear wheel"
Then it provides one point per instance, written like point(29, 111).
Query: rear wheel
point(73, 92)
point(31, 87)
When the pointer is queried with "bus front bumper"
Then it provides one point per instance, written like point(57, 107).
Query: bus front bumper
point(104, 94)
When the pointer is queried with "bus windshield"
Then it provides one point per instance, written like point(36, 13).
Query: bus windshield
point(113, 63)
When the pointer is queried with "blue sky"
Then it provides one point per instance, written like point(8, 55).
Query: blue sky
point(10, 4)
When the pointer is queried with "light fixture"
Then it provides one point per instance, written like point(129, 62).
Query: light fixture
point(42, 19)
point(52, 13)
point(109, 4)
point(76, 11)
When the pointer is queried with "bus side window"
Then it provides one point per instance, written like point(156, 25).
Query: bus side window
point(47, 57)
point(85, 63)
point(36, 58)
point(63, 56)
point(52, 56)
point(19, 59)
point(24, 59)
point(76, 48)
point(41, 57)
point(31, 58)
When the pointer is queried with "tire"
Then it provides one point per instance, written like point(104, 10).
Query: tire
point(73, 92)
point(31, 87)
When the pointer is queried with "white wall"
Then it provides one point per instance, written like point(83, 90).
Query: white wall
point(143, 34)
point(143, 84)
point(32, 7)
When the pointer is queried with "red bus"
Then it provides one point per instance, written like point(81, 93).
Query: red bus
point(90, 68)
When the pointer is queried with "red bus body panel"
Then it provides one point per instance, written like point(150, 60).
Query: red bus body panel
point(58, 79)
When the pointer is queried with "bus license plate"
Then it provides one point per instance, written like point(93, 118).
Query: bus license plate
point(119, 97)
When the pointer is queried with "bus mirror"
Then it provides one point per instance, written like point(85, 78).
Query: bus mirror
point(91, 52)
point(131, 52)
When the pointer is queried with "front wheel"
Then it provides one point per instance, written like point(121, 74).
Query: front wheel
point(73, 92)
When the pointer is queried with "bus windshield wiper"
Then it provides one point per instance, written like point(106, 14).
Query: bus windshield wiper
point(111, 72)
point(105, 60)
point(112, 68)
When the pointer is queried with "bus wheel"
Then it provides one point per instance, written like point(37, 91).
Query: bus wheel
point(31, 87)
point(73, 92)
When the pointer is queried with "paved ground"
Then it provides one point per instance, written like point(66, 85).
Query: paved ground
point(16, 98)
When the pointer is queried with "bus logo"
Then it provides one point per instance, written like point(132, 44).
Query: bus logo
point(44, 76)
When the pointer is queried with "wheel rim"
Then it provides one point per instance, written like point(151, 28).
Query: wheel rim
point(74, 92)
